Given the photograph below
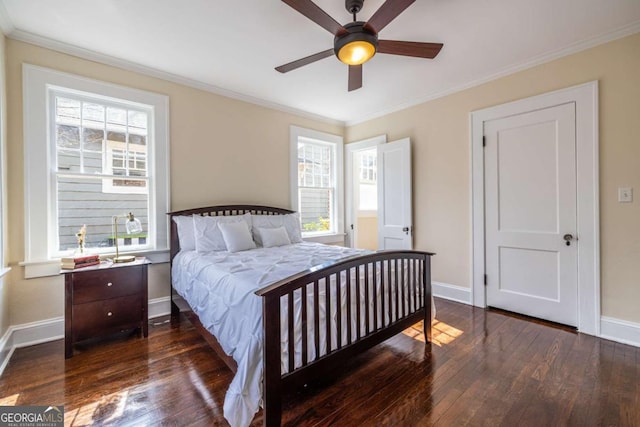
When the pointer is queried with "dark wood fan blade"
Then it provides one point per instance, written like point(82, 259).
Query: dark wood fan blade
point(355, 77)
point(317, 15)
point(417, 49)
point(387, 13)
point(305, 61)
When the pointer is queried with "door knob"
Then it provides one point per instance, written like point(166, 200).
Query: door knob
point(568, 238)
point(406, 230)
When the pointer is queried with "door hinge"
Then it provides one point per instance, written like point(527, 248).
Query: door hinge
point(485, 280)
point(484, 141)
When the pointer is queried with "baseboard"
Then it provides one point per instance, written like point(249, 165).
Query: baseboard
point(28, 334)
point(451, 292)
point(620, 331)
point(159, 307)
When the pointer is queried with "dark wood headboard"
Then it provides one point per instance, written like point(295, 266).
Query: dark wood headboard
point(223, 210)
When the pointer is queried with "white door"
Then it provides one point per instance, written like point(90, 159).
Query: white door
point(394, 195)
point(530, 209)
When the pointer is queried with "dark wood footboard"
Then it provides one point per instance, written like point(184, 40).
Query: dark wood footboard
point(381, 294)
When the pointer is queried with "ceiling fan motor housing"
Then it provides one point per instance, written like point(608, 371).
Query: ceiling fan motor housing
point(353, 6)
point(356, 33)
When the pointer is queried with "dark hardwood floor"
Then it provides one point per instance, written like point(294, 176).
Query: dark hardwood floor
point(484, 368)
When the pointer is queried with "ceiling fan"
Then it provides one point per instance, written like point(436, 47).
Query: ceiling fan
point(356, 42)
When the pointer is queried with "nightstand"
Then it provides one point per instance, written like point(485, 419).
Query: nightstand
point(103, 300)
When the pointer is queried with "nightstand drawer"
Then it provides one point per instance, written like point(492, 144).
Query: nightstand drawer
point(99, 285)
point(106, 316)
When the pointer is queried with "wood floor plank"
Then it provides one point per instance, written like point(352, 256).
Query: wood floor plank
point(485, 367)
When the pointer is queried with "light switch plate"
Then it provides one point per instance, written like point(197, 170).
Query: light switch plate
point(625, 194)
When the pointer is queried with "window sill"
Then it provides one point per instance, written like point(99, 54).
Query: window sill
point(327, 239)
point(45, 268)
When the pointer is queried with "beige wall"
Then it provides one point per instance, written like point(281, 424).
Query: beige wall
point(222, 151)
point(4, 289)
point(439, 131)
point(367, 232)
point(226, 151)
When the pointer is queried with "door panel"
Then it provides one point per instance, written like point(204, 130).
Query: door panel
point(394, 195)
point(530, 203)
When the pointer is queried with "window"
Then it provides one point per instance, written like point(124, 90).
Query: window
point(93, 152)
point(316, 177)
point(95, 141)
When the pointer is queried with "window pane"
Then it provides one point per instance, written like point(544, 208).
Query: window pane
point(138, 122)
point(92, 162)
point(67, 136)
point(315, 209)
point(67, 111)
point(92, 139)
point(82, 201)
point(68, 161)
point(93, 113)
point(137, 139)
point(116, 136)
point(116, 116)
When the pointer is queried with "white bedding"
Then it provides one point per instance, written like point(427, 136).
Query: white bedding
point(220, 286)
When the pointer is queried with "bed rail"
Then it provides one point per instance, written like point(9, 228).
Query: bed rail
point(376, 296)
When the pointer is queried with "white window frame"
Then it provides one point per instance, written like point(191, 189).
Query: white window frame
point(39, 158)
point(295, 134)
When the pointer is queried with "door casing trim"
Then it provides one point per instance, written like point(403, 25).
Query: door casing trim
point(585, 97)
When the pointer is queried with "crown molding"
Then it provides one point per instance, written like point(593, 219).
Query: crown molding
point(538, 60)
point(90, 55)
point(6, 24)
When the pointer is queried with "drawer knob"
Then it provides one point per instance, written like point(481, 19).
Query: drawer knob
point(109, 284)
point(109, 314)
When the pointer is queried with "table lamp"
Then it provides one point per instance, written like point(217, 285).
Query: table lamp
point(133, 226)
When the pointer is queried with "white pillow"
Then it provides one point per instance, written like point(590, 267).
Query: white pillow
point(291, 223)
point(274, 237)
point(186, 234)
point(207, 231)
point(237, 236)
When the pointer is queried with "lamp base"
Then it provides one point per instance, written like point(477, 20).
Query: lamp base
point(124, 258)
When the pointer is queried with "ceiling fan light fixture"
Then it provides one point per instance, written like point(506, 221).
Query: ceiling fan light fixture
point(357, 46)
point(357, 52)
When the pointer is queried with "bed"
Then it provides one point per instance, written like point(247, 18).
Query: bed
point(284, 315)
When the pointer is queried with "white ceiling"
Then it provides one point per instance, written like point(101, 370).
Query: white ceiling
point(231, 47)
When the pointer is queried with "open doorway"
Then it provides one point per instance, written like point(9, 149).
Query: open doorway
point(362, 193)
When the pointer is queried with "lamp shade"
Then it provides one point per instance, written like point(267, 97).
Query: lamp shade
point(357, 52)
point(357, 46)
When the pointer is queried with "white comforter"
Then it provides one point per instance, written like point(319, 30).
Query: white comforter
point(220, 286)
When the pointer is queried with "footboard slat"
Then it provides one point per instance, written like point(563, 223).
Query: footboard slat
point(316, 317)
point(338, 312)
point(375, 299)
point(397, 288)
point(291, 332)
point(349, 329)
point(327, 314)
point(358, 303)
point(304, 329)
point(366, 299)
